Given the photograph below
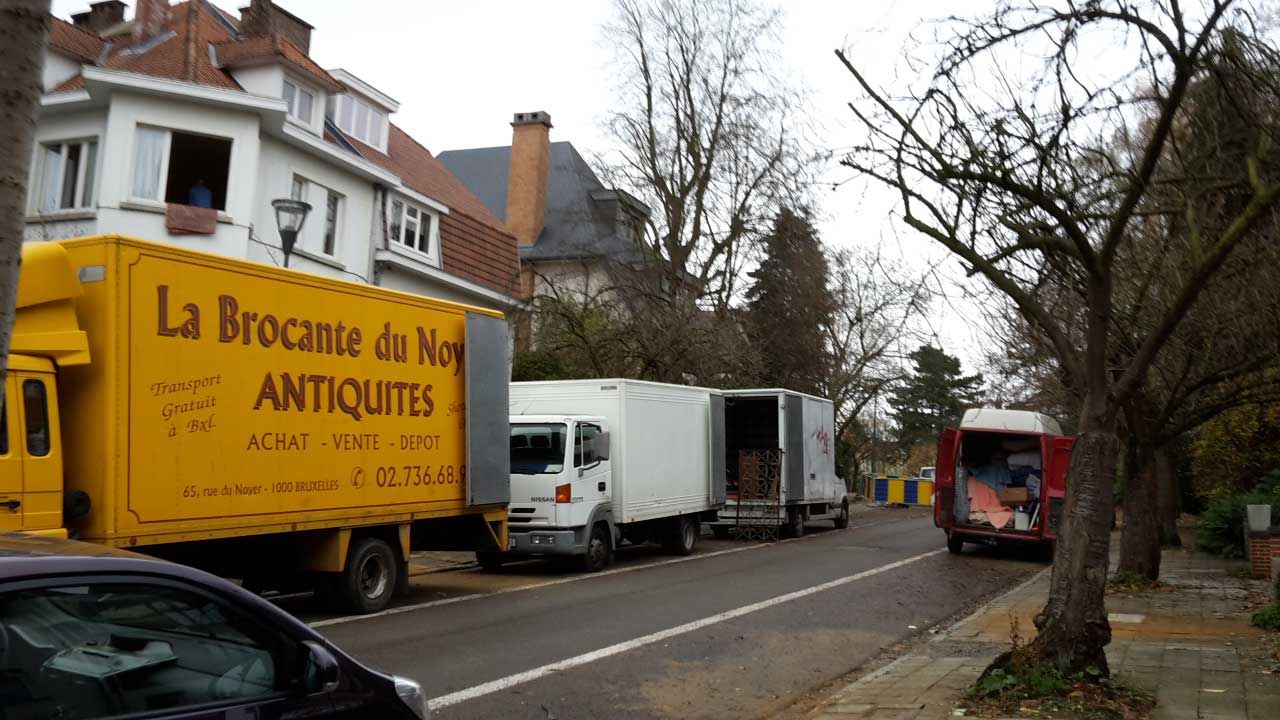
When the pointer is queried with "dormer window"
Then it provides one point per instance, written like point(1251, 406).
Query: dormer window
point(359, 119)
point(301, 102)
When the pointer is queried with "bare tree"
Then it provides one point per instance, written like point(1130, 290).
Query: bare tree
point(24, 31)
point(1035, 176)
point(876, 305)
point(707, 132)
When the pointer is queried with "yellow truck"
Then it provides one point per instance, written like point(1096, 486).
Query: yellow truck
point(265, 424)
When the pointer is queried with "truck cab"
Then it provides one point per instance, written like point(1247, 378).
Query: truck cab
point(561, 487)
point(30, 459)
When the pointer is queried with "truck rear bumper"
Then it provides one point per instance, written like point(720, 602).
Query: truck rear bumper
point(551, 541)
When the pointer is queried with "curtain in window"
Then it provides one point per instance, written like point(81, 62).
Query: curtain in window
point(148, 154)
point(51, 177)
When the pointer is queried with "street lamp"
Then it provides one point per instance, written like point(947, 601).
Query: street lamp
point(290, 215)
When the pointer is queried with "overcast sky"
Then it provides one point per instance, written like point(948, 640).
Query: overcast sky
point(461, 69)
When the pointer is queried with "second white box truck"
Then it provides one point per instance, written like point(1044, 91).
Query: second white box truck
point(597, 462)
point(780, 459)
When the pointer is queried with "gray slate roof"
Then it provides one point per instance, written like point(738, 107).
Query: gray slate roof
point(575, 225)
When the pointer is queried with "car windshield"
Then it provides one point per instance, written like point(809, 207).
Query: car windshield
point(537, 449)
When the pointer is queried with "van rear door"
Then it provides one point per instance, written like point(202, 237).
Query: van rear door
point(10, 456)
point(944, 486)
point(1058, 453)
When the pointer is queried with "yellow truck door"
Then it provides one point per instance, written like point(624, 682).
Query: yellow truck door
point(10, 458)
point(37, 443)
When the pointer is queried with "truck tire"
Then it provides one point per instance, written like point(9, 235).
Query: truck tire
point(597, 556)
point(490, 560)
point(721, 531)
point(370, 578)
point(682, 537)
point(842, 520)
point(795, 523)
point(954, 544)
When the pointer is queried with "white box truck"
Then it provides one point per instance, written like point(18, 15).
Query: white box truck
point(780, 462)
point(596, 462)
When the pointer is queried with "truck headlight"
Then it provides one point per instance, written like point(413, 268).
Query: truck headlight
point(410, 693)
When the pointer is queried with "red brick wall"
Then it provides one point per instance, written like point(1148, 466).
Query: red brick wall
point(480, 253)
point(1262, 547)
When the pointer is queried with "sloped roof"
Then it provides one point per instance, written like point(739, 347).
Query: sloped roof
point(167, 57)
point(74, 42)
point(574, 226)
point(422, 172)
point(247, 51)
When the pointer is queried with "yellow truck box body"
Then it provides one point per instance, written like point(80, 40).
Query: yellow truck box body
point(228, 398)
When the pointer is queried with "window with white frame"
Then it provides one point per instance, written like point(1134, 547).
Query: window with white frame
point(323, 228)
point(300, 101)
point(179, 167)
point(359, 119)
point(65, 171)
point(414, 227)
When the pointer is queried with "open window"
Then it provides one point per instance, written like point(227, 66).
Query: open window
point(180, 167)
point(415, 228)
point(65, 173)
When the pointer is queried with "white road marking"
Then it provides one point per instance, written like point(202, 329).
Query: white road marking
point(559, 581)
point(510, 681)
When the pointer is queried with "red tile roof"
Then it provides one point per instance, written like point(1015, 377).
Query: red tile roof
point(474, 243)
point(168, 58)
point(74, 42)
point(419, 170)
point(249, 50)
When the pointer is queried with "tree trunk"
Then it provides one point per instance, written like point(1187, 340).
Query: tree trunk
point(1073, 628)
point(1140, 538)
point(24, 30)
point(1167, 495)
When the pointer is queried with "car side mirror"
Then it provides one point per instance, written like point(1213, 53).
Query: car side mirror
point(321, 672)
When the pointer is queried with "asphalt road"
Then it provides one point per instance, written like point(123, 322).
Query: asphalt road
point(738, 631)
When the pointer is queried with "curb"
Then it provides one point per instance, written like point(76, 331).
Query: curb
point(942, 635)
point(945, 634)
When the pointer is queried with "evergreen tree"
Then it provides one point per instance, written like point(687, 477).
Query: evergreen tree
point(789, 304)
point(934, 396)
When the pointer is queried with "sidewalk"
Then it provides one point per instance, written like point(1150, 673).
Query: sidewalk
point(1191, 644)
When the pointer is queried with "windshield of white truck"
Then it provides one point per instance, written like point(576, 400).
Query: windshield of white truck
point(537, 449)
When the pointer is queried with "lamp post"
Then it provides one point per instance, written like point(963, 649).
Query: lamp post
point(290, 215)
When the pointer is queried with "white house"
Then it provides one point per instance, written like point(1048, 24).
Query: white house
point(185, 122)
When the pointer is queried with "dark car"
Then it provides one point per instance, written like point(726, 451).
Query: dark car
point(88, 631)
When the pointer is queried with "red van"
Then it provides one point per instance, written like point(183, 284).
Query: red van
point(1001, 478)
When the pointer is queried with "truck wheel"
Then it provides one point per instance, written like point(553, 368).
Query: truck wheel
point(490, 560)
point(954, 544)
point(721, 531)
point(842, 520)
point(795, 523)
point(683, 536)
point(597, 555)
point(370, 579)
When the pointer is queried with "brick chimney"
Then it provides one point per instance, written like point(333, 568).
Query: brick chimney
point(527, 177)
point(150, 18)
point(100, 16)
point(263, 18)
